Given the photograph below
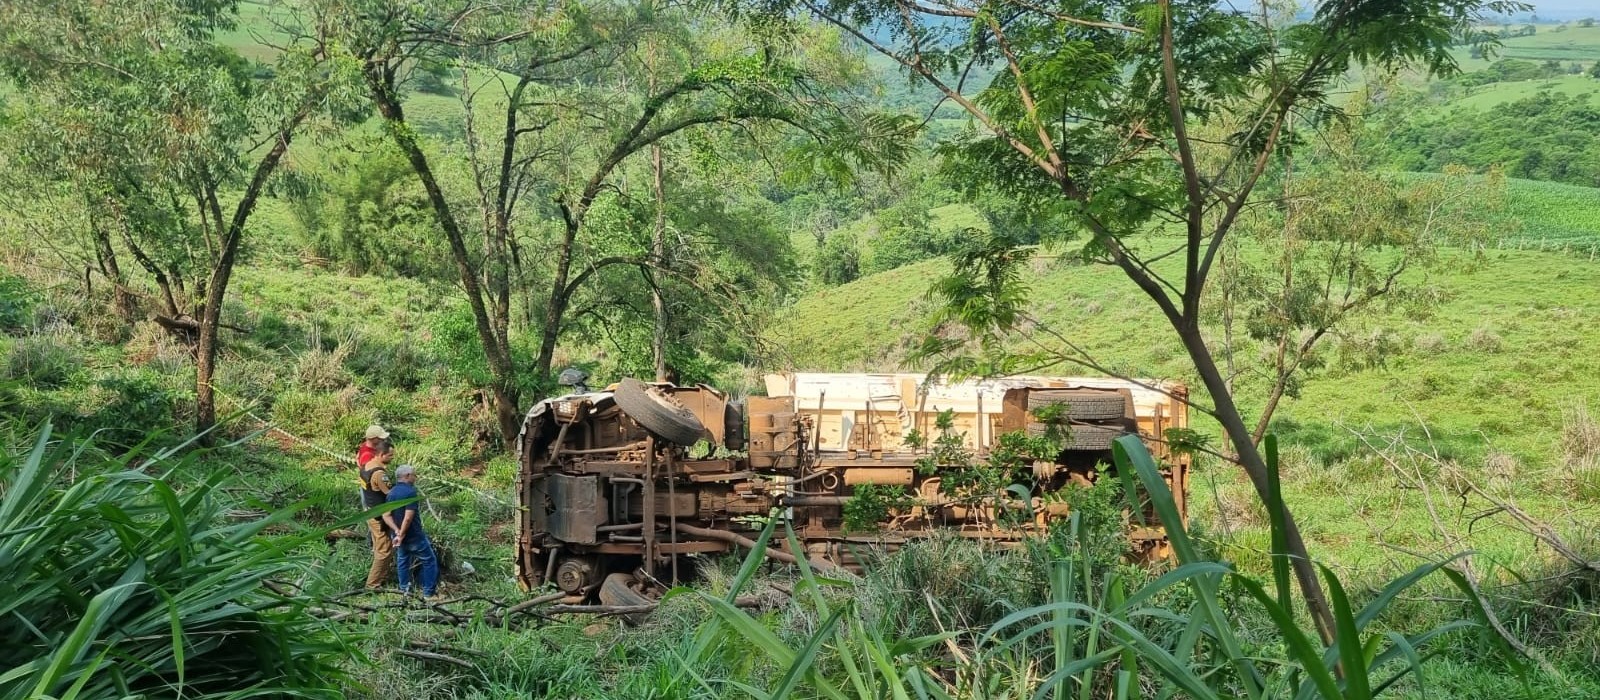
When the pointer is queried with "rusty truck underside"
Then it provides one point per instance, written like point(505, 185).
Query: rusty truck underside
point(618, 487)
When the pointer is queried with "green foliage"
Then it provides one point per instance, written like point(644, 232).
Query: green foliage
point(1543, 137)
point(1510, 70)
point(16, 303)
point(369, 214)
point(42, 361)
point(455, 344)
point(121, 584)
point(1095, 635)
point(870, 505)
point(839, 260)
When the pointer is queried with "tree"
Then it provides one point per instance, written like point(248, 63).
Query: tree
point(568, 111)
point(1334, 251)
point(1138, 116)
point(167, 139)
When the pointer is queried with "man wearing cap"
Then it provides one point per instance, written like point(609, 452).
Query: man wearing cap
point(374, 491)
point(410, 542)
point(369, 444)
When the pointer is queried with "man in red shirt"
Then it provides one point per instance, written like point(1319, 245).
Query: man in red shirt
point(369, 444)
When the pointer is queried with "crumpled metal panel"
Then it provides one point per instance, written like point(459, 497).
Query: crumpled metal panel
point(577, 508)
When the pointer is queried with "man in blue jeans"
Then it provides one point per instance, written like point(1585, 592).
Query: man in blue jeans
point(411, 545)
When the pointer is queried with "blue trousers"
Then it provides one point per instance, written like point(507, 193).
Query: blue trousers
point(417, 551)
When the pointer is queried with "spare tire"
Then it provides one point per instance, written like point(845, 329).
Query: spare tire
point(1086, 436)
point(618, 590)
point(658, 412)
point(1082, 404)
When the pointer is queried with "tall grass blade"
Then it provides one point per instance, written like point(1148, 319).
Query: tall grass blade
point(803, 662)
point(72, 649)
point(1352, 653)
point(1130, 454)
point(1299, 646)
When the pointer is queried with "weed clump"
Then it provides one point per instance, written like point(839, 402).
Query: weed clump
point(1430, 343)
point(46, 361)
point(1501, 468)
point(150, 345)
point(1580, 450)
point(1482, 339)
point(324, 370)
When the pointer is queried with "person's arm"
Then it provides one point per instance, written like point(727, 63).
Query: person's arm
point(388, 519)
point(411, 512)
point(380, 482)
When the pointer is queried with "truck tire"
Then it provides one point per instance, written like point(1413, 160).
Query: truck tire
point(1086, 437)
point(618, 590)
point(658, 412)
point(1082, 404)
point(733, 426)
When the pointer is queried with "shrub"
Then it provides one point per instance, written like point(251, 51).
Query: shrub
point(16, 304)
point(1430, 343)
point(319, 369)
point(838, 260)
point(151, 345)
point(116, 585)
point(133, 404)
point(1482, 339)
point(1501, 468)
point(1580, 450)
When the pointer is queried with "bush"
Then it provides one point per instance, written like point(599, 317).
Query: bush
point(16, 304)
point(1482, 339)
point(838, 261)
point(1430, 343)
point(43, 361)
point(1580, 450)
point(153, 346)
point(116, 585)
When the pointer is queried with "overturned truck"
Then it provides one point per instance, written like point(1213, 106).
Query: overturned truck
point(617, 487)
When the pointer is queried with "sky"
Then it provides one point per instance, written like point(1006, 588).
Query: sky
point(1566, 9)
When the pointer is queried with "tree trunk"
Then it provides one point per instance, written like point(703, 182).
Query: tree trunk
point(556, 307)
point(496, 347)
point(217, 288)
point(658, 251)
point(106, 256)
point(1233, 423)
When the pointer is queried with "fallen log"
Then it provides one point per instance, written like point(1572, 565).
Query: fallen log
point(431, 656)
point(613, 610)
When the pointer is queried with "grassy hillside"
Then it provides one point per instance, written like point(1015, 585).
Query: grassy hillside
point(1486, 96)
point(1574, 43)
point(1541, 308)
point(1490, 370)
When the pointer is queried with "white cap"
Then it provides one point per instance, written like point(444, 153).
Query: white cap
point(377, 431)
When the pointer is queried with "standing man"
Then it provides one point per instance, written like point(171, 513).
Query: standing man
point(374, 492)
point(369, 444)
point(410, 542)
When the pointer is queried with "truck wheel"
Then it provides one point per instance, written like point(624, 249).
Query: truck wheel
point(617, 589)
point(1082, 404)
point(658, 412)
point(1085, 437)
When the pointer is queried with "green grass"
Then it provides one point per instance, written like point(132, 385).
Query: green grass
point(1489, 368)
point(1554, 214)
point(1486, 96)
point(1573, 44)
